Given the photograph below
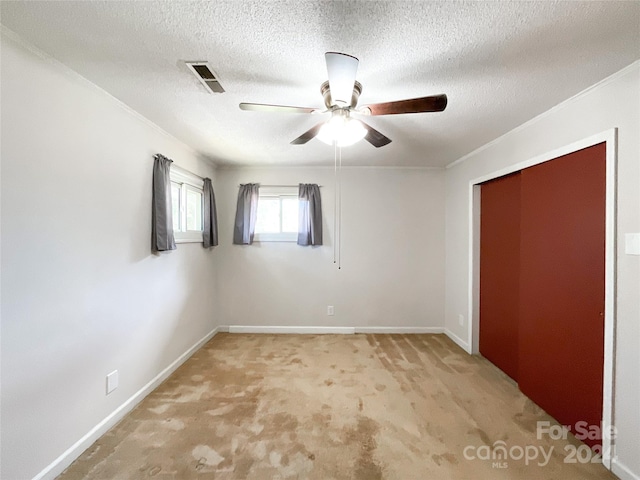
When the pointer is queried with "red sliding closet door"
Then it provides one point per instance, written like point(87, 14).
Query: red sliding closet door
point(500, 272)
point(562, 268)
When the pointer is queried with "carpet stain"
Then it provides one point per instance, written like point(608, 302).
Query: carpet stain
point(482, 434)
point(206, 455)
point(153, 471)
point(447, 457)
point(262, 407)
point(363, 435)
point(221, 411)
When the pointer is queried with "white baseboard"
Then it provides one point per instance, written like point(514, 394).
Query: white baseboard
point(406, 330)
point(327, 330)
point(461, 343)
point(299, 330)
point(622, 471)
point(56, 467)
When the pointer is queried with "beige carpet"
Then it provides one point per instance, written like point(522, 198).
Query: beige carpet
point(363, 407)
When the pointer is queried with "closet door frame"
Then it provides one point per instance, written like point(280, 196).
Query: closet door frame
point(610, 137)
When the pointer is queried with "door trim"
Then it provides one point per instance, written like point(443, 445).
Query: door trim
point(610, 137)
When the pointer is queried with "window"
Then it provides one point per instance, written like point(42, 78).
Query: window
point(277, 215)
point(186, 200)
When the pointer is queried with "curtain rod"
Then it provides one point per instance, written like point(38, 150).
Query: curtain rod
point(177, 168)
point(276, 186)
point(184, 171)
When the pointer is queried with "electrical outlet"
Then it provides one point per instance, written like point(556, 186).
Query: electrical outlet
point(112, 381)
point(461, 320)
point(330, 310)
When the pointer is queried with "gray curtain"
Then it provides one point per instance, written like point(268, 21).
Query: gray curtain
point(309, 215)
point(246, 214)
point(161, 222)
point(210, 227)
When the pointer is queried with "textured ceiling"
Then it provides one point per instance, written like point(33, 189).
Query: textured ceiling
point(500, 63)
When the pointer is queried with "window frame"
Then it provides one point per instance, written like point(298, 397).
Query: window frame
point(187, 181)
point(280, 193)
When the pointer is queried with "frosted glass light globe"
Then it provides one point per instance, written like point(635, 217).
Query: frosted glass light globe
point(343, 130)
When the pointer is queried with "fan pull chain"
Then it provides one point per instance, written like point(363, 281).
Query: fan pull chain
point(335, 199)
point(340, 207)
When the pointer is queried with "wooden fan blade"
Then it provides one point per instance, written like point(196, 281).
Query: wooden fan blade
point(308, 135)
point(341, 69)
point(434, 103)
point(374, 137)
point(261, 107)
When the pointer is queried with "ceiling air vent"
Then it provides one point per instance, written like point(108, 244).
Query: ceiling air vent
point(206, 76)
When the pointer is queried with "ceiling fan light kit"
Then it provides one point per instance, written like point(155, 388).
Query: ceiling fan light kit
point(341, 93)
point(341, 129)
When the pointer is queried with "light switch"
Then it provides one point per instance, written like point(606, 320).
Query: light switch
point(632, 243)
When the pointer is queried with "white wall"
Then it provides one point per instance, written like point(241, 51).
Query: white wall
point(81, 293)
point(392, 253)
point(613, 103)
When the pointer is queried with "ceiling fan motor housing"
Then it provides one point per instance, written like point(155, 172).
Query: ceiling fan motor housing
point(328, 101)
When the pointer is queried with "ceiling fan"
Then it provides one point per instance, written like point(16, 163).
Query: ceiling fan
point(341, 93)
